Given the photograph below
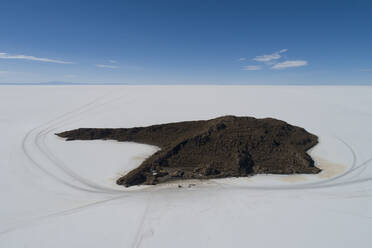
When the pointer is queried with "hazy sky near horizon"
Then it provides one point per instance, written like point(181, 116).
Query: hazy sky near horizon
point(186, 42)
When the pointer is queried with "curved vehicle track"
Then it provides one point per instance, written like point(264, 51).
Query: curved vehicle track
point(35, 139)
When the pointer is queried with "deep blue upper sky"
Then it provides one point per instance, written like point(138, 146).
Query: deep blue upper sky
point(186, 42)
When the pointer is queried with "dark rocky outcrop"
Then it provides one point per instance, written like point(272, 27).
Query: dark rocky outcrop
point(227, 146)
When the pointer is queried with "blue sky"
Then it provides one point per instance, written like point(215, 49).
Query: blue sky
point(186, 42)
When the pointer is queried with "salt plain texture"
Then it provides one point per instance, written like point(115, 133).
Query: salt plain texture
point(63, 194)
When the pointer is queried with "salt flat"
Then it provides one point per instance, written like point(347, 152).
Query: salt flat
point(63, 194)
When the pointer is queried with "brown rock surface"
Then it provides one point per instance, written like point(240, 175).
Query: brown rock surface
point(227, 146)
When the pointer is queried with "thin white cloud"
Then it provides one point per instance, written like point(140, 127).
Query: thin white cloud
point(366, 70)
point(251, 68)
point(242, 59)
point(112, 61)
point(269, 57)
point(32, 58)
point(3, 72)
point(289, 64)
point(107, 66)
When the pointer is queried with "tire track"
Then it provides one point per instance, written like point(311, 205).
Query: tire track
point(43, 130)
point(138, 237)
point(41, 135)
point(23, 224)
point(28, 154)
point(40, 144)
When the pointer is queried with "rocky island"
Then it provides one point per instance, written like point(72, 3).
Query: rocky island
point(227, 146)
